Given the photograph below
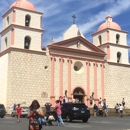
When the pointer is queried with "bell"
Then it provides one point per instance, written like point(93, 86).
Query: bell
point(26, 44)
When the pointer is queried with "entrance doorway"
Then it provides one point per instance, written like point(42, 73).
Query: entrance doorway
point(79, 94)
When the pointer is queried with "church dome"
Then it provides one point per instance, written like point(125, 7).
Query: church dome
point(23, 4)
point(109, 24)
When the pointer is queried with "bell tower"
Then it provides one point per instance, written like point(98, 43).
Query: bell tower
point(112, 40)
point(22, 27)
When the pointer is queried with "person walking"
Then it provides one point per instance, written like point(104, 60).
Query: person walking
point(57, 108)
point(95, 109)
point(35, 116)
point(18, 112)
point(121, 110)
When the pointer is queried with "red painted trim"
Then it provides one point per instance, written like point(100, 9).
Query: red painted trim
point(95, 80)
point(69, 77)
point(76, 39)
point(14, 16)
point(12, 36)
point(74, 57)
point(102, 80)
point(88, 82)
point(52, 82)
point(61, 77)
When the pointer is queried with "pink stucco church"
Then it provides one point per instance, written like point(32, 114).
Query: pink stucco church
point(73, 65)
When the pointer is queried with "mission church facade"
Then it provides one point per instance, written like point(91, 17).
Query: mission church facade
point(73, 66)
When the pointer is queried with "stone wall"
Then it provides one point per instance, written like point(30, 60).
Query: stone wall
point(117, 84)
point(28, 78)
point(3, 77)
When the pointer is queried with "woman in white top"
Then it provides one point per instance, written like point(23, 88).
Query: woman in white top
point(121, 110)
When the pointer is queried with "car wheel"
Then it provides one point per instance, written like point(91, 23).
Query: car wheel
point(2, 116)
point(68, 119)
point(12, 114)
point(84, 120)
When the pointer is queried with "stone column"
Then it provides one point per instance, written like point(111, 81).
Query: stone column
point(69, 79)
point(95, 83)
point(102, 80)
point(52, 81)
point(61, 77)
point(88, 82)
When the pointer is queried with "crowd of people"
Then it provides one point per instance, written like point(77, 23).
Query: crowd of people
point(101, 109)
point(119, 107)
point(37, 117)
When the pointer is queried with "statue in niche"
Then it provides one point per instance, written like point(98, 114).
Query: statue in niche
point(66, 93)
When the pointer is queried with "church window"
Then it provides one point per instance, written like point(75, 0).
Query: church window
point(6, 42)
point(27, 41)
point(8, 20)
point(27, 20)
point(100, 39)
point(118, 57)
point(117, 38)
point(78, 67)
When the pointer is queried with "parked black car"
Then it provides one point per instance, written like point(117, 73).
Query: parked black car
point(72, 111)
point(2, 111)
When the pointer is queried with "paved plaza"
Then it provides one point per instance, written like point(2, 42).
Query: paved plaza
point(94, 123)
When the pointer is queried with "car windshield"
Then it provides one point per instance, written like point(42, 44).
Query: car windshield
point(79, 108)
point(1, 106)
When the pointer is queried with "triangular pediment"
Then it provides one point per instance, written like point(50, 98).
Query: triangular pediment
point(78, 43)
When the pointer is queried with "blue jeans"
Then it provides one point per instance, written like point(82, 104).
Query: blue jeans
point(59, 120)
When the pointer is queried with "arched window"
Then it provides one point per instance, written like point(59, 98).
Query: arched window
point(100, 39)
point(118, 57)
point(27, 41)
point(117, 38)
point(6, 42)
point(27, 20)
point(8, 20)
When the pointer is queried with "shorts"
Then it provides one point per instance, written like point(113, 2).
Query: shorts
point(123, 104)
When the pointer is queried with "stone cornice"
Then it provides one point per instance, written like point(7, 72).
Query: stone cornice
point(21, 50)
point(114, 44)
point(21, 9)
point(118, 64)
point(71, 50)
point(20, 26)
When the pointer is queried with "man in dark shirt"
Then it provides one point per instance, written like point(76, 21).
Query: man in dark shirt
point(48, 107)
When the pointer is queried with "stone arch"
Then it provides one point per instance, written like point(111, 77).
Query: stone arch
point(79, 93)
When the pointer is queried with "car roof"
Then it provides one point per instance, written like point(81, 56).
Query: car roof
point(74, 103)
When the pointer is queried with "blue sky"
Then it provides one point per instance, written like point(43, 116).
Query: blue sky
point(57, 17)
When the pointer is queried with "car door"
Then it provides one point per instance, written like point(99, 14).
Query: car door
point(63, 109)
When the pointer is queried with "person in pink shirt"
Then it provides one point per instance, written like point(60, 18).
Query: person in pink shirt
point(57, 108)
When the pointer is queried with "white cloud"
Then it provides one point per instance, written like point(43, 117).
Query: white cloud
point(113, 10)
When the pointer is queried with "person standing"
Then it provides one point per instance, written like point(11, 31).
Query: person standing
point(35, 115)
point(121, 110)
point(18, 112)
point(123, 102)
point(57, 108)
point(117, 108)
point(91, 100)
point(48, 107)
